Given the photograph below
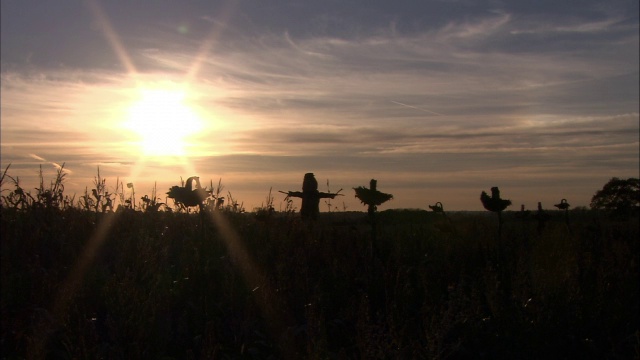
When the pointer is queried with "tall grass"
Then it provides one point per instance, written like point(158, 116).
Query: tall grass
point(165, 285)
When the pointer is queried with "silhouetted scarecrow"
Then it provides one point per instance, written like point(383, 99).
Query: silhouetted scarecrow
point(444, 226)
point(564, 205)
point(495, 204)
point(542, 217)
point(187, 196)
point(372, 197)
point(437, 207)
point(523, 214)
point(310, 197)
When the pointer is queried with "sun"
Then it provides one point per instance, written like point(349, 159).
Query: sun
point(163, 122)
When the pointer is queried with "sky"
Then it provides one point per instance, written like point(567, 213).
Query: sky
point(438, 100)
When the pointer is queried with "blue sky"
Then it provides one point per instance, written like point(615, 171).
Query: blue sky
point(437, 100)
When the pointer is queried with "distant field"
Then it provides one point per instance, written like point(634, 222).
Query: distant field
point(80, 284)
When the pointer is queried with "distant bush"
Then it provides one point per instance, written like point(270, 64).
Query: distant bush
point(618, 196)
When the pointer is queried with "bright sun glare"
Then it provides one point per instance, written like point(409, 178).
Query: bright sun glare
point(163, 122)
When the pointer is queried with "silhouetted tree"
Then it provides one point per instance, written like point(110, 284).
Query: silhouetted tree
point(619, 196)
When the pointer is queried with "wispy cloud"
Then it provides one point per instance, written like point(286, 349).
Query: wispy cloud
point(34, 156)
point(497, 95)
point(54, 164)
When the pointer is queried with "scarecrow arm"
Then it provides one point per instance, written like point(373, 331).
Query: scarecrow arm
point(329, 195)
point(293, 193)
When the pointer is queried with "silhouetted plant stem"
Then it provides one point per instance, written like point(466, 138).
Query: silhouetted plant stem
point(371, 212)
point(523, 215)
point(499, 225)
point(374, 239)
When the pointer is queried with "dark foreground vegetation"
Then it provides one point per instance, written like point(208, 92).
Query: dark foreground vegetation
point(132, 284)
point(174, 285)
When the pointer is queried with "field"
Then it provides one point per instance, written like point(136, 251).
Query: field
point(128, 284)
